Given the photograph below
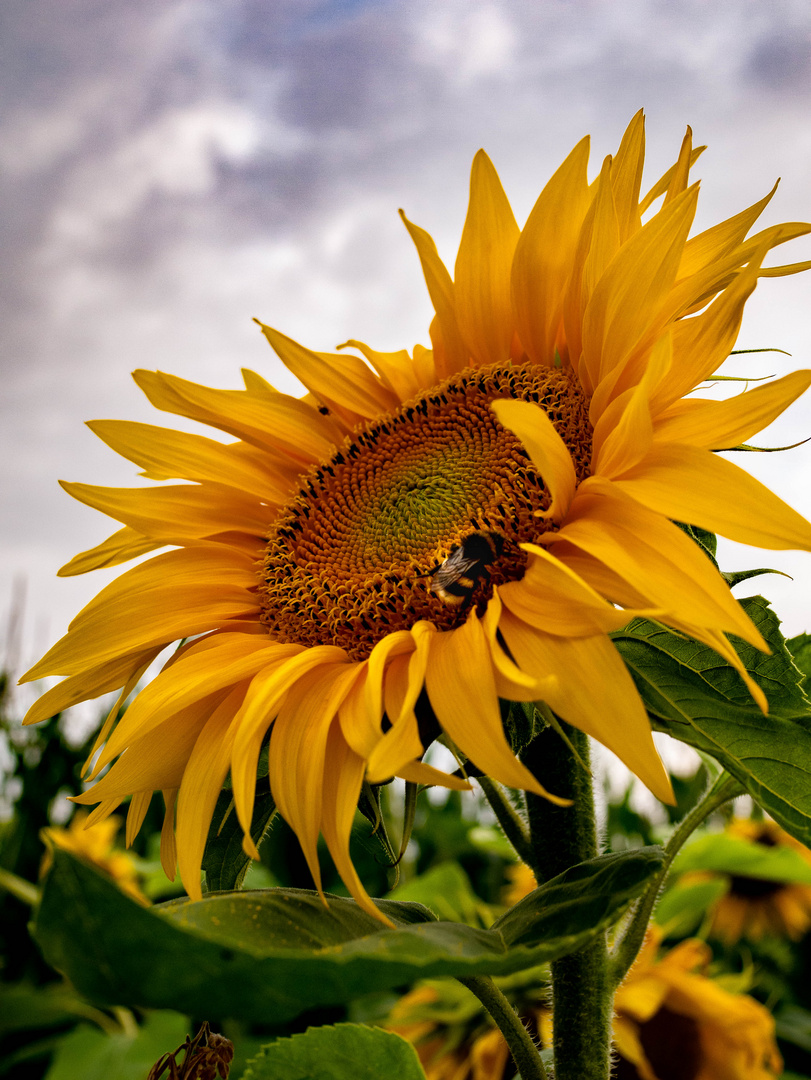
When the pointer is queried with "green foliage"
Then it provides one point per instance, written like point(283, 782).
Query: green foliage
point(269, 955)
point(683, 906)
point(93, 1055)
point(446, 891)
point(696, 697)
point(225, 863)
point(342, 1052)
point(725, 854)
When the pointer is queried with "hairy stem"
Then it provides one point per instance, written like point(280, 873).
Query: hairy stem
point(725, 787)
point(508, 818)
point(562, 836)
point(523, 1049)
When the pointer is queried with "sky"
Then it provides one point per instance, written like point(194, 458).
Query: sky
point(171, 169)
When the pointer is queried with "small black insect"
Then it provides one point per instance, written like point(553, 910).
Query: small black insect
point(455, 579)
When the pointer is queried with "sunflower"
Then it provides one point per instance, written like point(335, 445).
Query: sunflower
point(453, 1035)
point(756, 907)
point(96, 844)
point(674, 1023)
point(421, 535)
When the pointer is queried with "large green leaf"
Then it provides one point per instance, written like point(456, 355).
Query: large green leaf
point(268, 955)
point(693, 695)
point(342, 1052)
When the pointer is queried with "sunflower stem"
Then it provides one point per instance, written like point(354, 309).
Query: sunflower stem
point(523, 1049)
point(726, 787)
point(562, 836)
point(508, 818)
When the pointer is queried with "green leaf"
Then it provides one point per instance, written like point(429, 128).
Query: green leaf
point(733, 855)
point(800, 649)
point(225, 863)
point(693, 695)
point(342, 1052)
point(683, 907)
point(268, 955)
point(589, 894)
point(447, 892)
point(24, 1007)
point(90, 1054)
point(735, 577)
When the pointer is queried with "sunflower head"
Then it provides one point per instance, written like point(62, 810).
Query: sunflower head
point(674, 1023)
point(448, 527)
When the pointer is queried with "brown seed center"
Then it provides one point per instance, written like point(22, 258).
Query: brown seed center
point(354, 554)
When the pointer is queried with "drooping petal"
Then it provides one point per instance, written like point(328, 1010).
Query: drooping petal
point(594, 693)
point(461, 687)
point(202, 782)
point(259, 708)
point(548, 452)
point(298, 746)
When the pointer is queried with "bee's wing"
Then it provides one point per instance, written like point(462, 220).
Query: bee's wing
point(454, 567)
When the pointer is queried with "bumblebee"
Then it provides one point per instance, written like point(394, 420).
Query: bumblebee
point(455, 579)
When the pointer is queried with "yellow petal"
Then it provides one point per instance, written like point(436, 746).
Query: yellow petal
point(343, 380)
point(703, 342)
point(178, 455)
point(269, 420)
point(139, 805)
point(597, 245)
point(551, 597)
point(177, 512)
point(683, 482)
point(441, 290)
point(227, 660)
point(157, 760)
point(401, 743)
point(594, 693)
point(460, 684)
point(716, 425)
point(482, 273)
point(124, 628)
point(656, 557)
point(626, 177)
point(201, 785)
point(397, 370)
point(681, 174)
point(663, 183)
point(417, 772)
point(298, 746)
point(714, 243)
point(262, 700)
point(168, 845)
point(544, 254)
point(627, 301)
point(343, 776)
point(85, 686)
point(122, 546)
point(548, 452)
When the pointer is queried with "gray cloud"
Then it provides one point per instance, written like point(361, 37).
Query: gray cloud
point(170, 169)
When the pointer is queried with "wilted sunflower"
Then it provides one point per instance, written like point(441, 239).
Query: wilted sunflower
point(425, 533)
point(672, 1022)
point(756, 907)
